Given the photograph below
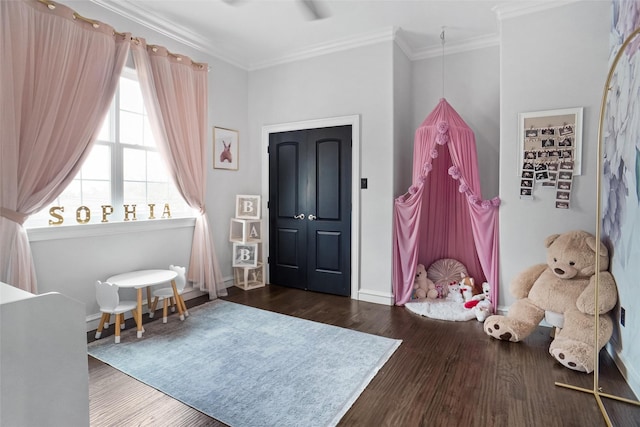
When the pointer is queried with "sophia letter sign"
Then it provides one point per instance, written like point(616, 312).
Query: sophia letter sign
point(83, 213)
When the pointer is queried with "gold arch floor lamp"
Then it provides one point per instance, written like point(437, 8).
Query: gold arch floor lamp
point(596, 388)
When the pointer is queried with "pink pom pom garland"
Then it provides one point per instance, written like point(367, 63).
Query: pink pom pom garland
point(454, 171)
point(442, 139)
point(442, 127)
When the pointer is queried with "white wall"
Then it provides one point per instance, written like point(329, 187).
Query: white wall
point(72, 265)
point(472, 87)
point(228, 106)
point(357, 81)
point(403, 130)
point(550, 60)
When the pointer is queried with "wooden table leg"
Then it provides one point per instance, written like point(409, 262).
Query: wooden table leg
point(151, 313)
point(184, 306)
point(139, 313)
point(177, 298)
point(119, 319)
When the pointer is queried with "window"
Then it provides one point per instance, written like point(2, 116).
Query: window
point(124, 169)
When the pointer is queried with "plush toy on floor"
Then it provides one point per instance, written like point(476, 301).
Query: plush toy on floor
point(481, 303)
point(468, 288)
point(455, 293)
point(423, 287)
point(565, 285)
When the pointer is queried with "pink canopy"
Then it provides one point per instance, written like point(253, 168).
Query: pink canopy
point(443, 214)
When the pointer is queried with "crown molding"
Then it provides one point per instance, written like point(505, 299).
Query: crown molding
point(451, 48)
point(508, 10)
point(147, 18)
point(386, 34)
point(402, 43)
point(170, 29)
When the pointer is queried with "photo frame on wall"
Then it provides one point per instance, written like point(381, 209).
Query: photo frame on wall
point(247, 207)
point(225, 148)
point(547, 137)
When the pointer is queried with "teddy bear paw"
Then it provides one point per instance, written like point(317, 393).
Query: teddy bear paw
point(500, 328)
point(572, 354)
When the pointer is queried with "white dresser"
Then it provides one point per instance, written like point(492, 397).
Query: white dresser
point(44, 379)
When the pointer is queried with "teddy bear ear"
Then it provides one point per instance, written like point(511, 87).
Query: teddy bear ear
point(549, 240)
point(591, 242)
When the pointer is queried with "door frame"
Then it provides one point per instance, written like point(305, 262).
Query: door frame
point(354, 122)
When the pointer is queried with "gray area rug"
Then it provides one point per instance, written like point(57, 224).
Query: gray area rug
point(250, 367)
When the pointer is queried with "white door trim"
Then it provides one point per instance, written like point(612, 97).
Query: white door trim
point(354, 122)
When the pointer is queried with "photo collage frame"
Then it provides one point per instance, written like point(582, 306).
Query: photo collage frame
point(550, 153)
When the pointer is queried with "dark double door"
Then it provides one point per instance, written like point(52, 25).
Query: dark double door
point(310, 209)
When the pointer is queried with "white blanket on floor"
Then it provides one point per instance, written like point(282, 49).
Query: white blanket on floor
point(441, 309)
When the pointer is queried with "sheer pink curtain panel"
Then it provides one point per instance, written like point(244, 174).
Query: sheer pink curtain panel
point(57, 78)
point(175, 93)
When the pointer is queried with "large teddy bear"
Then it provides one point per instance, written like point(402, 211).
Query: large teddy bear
point(565, 285)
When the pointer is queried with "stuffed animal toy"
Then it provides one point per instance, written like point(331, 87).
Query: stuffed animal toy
point(442, 289)
point(467, 288)
point(454, 292)
point(478, 298)
point(482, 303)
point(423, 287)
point(564, 285)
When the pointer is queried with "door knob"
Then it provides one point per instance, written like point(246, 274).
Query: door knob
point(312, 217)
point(301, 216)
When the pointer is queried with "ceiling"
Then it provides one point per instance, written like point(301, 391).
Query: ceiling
point(254, 34)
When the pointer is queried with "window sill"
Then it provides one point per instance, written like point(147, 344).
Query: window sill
point(110, 228)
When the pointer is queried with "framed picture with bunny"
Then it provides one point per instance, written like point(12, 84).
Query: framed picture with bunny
point(225, 148)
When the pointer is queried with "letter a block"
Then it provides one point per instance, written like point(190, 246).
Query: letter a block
point(245, 230)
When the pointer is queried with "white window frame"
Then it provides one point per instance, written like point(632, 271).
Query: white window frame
point(71, 229)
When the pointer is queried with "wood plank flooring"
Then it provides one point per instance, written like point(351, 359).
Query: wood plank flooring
point(443, 374)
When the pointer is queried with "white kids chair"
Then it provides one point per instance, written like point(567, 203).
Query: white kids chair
point(109, 302)
point(166, 293)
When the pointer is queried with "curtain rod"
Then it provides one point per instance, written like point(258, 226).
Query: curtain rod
point(96, 24)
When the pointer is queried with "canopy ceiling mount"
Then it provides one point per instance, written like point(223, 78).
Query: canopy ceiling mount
point(442, 39)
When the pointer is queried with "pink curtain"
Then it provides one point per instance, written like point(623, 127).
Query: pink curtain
point(443, 214)
point(57, 78)
point(175, 94)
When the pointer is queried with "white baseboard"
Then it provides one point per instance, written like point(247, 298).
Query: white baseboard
point(376, 297)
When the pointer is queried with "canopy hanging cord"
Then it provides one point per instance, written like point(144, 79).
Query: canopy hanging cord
point(442, 39)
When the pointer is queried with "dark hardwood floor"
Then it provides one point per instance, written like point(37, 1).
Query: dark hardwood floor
point(443, 374)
